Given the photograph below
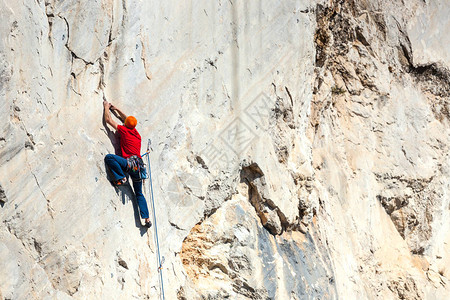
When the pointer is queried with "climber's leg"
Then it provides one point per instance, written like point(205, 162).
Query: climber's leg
point(117, 164)
point(142, 203)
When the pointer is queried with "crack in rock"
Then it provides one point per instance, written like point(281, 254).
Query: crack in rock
point(49, 207)
point(3, 197)
point(270, 215)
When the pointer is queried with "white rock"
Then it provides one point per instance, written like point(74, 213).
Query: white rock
point(299, 149)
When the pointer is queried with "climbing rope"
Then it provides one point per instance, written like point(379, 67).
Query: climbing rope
point(155, 226)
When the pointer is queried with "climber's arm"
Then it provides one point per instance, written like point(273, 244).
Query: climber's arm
point(121, 114)
point(107, 115)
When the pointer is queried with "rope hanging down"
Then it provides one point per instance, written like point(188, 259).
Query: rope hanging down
point(155, 226)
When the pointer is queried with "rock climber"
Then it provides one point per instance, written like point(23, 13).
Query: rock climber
point(130, 145)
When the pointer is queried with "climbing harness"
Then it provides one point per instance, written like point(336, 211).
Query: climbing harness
point(136, 164)
point(155, 227)
point(133, 163)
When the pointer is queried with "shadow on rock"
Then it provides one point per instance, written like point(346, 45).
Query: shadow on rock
point(113, 136)
point(126, 192)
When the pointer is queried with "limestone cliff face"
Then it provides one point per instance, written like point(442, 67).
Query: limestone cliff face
point(300, 149)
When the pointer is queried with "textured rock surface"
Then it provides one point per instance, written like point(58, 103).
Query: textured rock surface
point(300, 149)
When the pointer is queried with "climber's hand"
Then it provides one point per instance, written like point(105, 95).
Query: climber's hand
point(106, 104)
point(113, 107)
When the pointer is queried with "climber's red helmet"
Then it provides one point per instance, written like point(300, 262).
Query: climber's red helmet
point(130, 122)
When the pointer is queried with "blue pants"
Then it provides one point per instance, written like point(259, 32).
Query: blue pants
point(118, 166)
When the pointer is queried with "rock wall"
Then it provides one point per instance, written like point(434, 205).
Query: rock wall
point(300, 149)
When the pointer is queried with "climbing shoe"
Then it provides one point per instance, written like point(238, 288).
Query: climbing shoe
point(148, 224)
point(120, 181)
